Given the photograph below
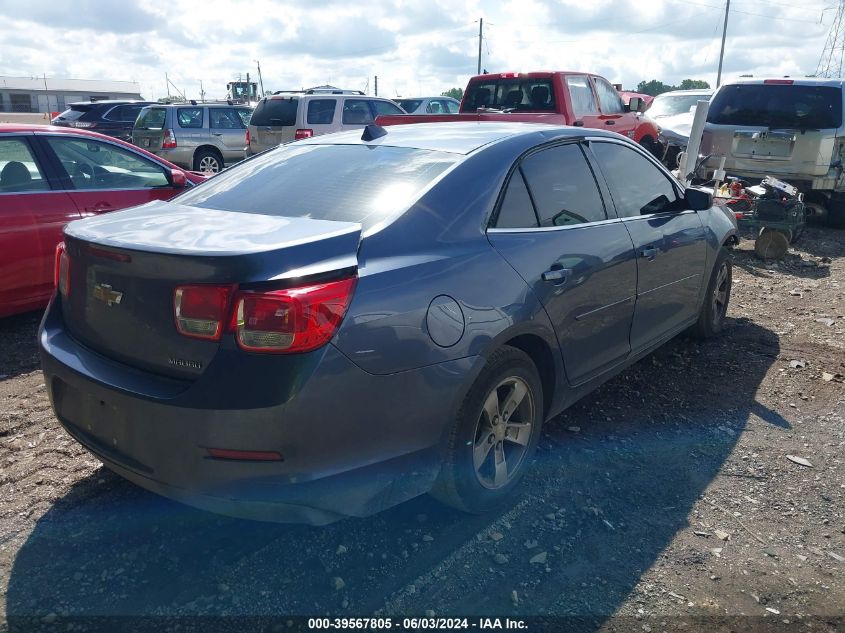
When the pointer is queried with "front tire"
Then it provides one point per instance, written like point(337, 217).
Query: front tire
point(711, 318)
point(494, 435)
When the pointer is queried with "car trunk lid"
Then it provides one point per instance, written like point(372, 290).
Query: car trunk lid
point(125, 268)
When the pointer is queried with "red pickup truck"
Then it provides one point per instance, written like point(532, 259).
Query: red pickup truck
point(561, 98)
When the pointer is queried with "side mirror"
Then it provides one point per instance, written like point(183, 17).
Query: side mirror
point(635, 104)
point(178, 178)
point(698, 200)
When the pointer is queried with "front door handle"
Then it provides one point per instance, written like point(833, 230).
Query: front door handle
point(610, 122)
point(578, 124)
point(558, 276)
point(650, 252)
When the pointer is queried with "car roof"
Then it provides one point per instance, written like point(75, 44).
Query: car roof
point(462, 137)
point(110, 102)
point(696, 91)
point(786, 81)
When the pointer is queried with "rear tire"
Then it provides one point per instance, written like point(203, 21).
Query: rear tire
point(494, 435)
point(208, 161)
point(711, 318)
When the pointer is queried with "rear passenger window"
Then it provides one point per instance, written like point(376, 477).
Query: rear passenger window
point(385, 107)
point(189, 117)
point(356, 112)
point(224, 119)
point(563, 186)
point(18, 169)
point(517, 210)
point(321, 111)
point(637, 185)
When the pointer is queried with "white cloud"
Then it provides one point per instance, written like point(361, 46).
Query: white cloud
point(414, 47)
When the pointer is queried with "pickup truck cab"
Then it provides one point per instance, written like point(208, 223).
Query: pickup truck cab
point(556, 97)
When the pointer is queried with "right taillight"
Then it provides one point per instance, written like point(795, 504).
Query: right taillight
point(302, 133)
point(291, 320)
point(247, 137)
point(61, 277)
point(169, 140)
point(201, 310)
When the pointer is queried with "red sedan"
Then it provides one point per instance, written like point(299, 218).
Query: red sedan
point(52, 175)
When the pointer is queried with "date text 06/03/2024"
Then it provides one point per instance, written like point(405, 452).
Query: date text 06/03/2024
point(416, 624)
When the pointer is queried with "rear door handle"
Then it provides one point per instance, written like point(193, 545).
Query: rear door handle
point(650, 252)
point(610, 122)
point(558, 276)
point(216, 134)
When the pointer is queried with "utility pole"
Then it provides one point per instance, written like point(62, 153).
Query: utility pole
point(167, 82)
point(202, 92)
point(722, 52)
point(260, 80)
point(480, 37)
point(376, 85)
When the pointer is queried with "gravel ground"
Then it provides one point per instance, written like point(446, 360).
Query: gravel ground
point(674, 498)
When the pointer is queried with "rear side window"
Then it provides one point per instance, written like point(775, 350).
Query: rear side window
point(386, 107)
point(356, 112)
point(563, 186)
point(321, 111)
point(189, 117)
point(581, 95)
point(151, 119)
point(778, 106)
point(356, 183)
point(638, 187)
point(243, 114)
point(517, 210)
point(275, 112)
point(409, 105)
point(224, 119)
point(124, 113)
point(18, 169)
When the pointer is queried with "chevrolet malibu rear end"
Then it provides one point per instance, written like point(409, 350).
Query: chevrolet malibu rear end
point(232, 349)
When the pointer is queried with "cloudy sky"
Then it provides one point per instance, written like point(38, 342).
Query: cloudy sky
point(414, 46)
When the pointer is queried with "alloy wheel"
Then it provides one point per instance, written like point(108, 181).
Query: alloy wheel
point(503, 433)
point(209, 164)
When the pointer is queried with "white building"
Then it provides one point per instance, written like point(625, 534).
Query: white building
point(40, 94)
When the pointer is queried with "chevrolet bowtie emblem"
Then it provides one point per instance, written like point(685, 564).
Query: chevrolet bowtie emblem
point(105, 293)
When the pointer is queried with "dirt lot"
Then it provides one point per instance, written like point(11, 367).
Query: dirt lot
point(665, 501)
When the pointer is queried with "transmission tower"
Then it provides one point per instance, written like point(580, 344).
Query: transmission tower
point(833, 56)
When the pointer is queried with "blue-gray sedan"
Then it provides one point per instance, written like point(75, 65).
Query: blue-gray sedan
point(342, 323)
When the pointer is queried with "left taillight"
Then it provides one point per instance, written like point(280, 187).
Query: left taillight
point(200, 310)
point(61, 276)
point(292, 320)
point(248, 139)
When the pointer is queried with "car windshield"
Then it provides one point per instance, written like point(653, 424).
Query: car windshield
point(777, 106)
point(409, 105)
point(150, 119)
point(348, 183)
point(669, 105)
point(74, 112)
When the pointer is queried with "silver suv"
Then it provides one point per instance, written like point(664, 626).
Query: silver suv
point(791, 129)
point(200, 136)
point(290, 116)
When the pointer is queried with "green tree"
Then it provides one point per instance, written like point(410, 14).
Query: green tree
point(653, 87)
point(693, 84)
point(455, 93)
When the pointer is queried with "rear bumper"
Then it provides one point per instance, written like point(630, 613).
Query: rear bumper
point(353, 443)
point(182, 156)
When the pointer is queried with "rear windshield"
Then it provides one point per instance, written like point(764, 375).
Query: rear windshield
point(409, 105)
point(348, 183)
point(275, 112)
point(74, 112)
point(150, 119)
point(778, 106)
point(516, 94)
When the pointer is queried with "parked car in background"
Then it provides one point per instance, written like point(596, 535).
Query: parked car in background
point(562, 98)
point(429, 105)
point(114, 118)
point(321, 338)
point(290, 116)
point(674, 112)
point(50, 176)
point(200, 136)
point(791, 129)
point(645, 100)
